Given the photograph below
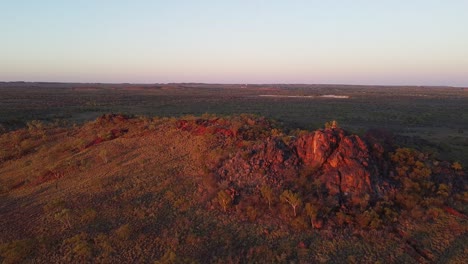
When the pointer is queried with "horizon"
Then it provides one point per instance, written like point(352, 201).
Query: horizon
point(422, 43)
point(241, 84)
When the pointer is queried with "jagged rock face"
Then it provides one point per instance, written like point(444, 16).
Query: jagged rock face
point(316, 147)
point(346, 171)
point(343, 162)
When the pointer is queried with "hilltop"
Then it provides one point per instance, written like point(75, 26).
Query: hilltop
point(224, 189)
point(429, 118)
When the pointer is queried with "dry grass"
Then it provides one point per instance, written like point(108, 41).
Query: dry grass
point(145, 196)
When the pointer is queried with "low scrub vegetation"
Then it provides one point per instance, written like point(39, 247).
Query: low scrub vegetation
point(230, 189)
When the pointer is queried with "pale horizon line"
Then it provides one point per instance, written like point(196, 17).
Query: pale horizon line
point(239, 83)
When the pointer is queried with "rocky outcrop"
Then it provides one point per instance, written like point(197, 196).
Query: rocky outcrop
point(346, 166)
point(352, 169)
point(342, 162)
point(268, 162)
point(315, 148)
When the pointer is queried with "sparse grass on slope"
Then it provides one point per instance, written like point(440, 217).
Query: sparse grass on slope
point(142, 190)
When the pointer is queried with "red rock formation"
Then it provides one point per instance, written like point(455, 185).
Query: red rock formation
point(342, 162)
point(316, 147)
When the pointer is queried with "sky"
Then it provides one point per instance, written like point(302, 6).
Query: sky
point(387, 42)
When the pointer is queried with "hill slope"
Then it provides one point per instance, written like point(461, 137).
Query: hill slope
point(234, 189)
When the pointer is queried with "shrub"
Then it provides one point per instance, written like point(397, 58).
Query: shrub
point(331, 124)
point(88, 216)
point(299, 223)
point(124, 232)
point(311, 211)
point(457, 166)
point(64, 216)
point(224, 199)
point(292, 199)
point(251, 213)
point(169, 257)
point(369, 218)
point(103, 243)
point(17, 251)
point(267, 194)
point(80, 247)
point(343, 218)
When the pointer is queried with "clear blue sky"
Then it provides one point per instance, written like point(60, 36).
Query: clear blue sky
point(420, 42)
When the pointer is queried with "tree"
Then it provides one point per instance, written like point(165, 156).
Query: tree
point(267, 194)
point(331, 124)
point(292, 199)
